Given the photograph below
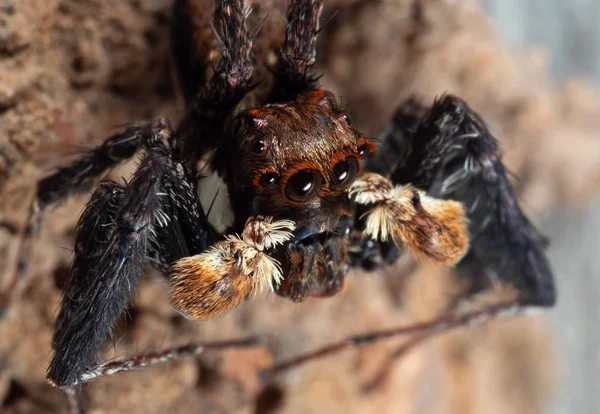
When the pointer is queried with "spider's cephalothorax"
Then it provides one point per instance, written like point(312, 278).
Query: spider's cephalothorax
point(306, 205)
point(297, 161)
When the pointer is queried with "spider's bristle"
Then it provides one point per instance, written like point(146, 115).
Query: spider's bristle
point(432, 228)
point(209, 284)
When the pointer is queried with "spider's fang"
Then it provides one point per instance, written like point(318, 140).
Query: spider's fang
point(429, 227)
point(209, 284)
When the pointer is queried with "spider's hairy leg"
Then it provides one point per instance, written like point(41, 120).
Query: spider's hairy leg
point(211, 283)
point(428, 227)
point(295, 69)
point(93, 233)
point(188, 231)
point(105, 274)
point(67, 181)
point(454, 156)
point(214, 103)
point(192, 44)
point(115, 234)
point(396, 139)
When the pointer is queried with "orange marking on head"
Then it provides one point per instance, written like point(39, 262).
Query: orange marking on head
point(370, 146)
point(315, 96)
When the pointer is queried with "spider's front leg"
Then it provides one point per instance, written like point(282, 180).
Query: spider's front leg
point(448, 151)
point(114, 236)
point(68, 181)
point(212, 105)
point(454, 156)
point(295, 69)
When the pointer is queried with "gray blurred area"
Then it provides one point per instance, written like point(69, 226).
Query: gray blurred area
point(570, 30)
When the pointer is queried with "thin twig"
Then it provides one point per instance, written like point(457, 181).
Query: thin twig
point(386, 367)
point(144, 360)
point(73, 401)
point(438, 325)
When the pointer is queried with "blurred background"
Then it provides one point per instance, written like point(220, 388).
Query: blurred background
point(569, 32)
point(73, 70)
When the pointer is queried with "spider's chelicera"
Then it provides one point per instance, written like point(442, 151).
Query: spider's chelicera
point(304, 195)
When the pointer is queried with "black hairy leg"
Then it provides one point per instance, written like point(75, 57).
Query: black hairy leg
point(295, 69)
point(188, 231)
point(396, 139)
point(192, 42)
point(74, 328)
point(453, 155)
point(116, 233)
point(68, 181)
point(213, 104)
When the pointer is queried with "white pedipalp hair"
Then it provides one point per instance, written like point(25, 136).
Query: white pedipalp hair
point(268, 272)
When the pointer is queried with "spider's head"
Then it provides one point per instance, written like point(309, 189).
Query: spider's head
point(296, 161)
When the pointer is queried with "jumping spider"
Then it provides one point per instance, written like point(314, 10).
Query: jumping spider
point(308, 195)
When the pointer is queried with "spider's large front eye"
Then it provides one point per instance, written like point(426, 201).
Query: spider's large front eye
point(303, 185)
point(344, 173)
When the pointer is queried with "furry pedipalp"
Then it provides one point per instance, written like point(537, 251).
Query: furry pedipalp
point(428, 227)
point(211, 283)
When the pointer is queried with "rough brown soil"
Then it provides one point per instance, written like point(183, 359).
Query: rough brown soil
point(72, 70)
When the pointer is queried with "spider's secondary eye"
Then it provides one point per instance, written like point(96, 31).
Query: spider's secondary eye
point(258, 146)
point(363, 150)
point(348, 119)
point(269, 180)
point(344, 173)
point(303, 185)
